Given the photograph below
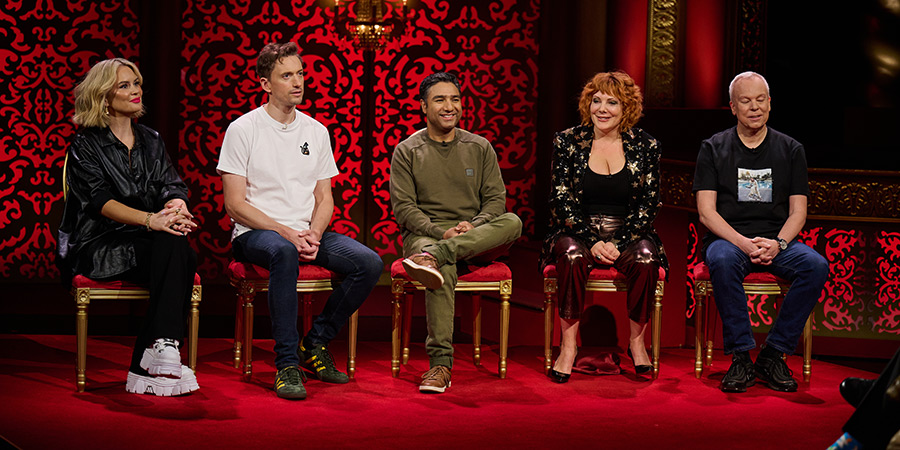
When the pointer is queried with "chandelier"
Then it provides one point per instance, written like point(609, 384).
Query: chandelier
point(370, 29)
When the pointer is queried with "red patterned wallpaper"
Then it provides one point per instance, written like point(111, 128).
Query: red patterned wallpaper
point(861, 298)
point(45, 49)
point(492, 45)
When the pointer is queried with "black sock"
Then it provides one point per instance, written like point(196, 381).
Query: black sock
point(769, 353)
point(741, 356)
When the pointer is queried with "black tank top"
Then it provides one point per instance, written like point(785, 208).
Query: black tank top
point(606, 195)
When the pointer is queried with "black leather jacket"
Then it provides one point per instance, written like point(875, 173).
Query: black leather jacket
point(100, 169)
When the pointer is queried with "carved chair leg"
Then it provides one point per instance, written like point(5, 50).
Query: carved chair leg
point(476, 328)
point(549, 315)
point(711, 319)
point(407, 324)
point(656, 330)
point(699, 336)
point(807, 349)
point(238, 330)
point(194, 327)
point(306, 298)
point(504, 332)
point(248, 338)
point(81, 317)
point(351, 336)
point(396, 320)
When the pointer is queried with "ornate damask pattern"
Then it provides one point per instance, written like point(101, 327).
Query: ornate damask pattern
point(841, 300)
point(661, 52)
point(861, 297)
point(888, 284)
point(676, 179)
point(835, 194)
point(492, 45)
point(46, 47)
point(693, 259)
point(854, 193)
point(751, 37)
point(221, 41)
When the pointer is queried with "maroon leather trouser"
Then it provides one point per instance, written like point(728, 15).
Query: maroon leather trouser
point(638, 262)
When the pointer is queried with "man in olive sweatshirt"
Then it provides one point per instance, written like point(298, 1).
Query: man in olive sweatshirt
point(450, 202)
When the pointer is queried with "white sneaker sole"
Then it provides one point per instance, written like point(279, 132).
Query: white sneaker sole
point(430, 278)
point(161, 386)
point(434, 388)
point(159, 367)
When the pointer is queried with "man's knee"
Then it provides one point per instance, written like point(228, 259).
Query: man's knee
point(370, 263)
point(818, 266)
point(723, 254)
point(283, 253)
point(512, 221)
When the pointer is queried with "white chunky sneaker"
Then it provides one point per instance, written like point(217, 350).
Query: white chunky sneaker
point(162, 386)
point(162, 359)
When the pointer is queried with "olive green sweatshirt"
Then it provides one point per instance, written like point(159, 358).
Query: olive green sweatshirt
point(436, 182)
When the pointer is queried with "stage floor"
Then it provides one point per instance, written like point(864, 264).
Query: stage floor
point(42, 410)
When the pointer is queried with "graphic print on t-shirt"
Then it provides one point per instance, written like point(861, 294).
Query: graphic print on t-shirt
point(754, 185)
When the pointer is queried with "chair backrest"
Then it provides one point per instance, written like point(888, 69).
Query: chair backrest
point(65, 184)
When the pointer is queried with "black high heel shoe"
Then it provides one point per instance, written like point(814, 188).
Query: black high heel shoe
point(639, 369)
point(558, 377)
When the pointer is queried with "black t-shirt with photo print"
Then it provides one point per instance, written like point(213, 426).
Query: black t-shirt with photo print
point(753, 185)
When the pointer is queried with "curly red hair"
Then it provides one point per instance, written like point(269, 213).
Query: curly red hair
point(618, 85)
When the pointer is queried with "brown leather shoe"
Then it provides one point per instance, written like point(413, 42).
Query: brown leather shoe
point(424, 269)
point(437, 379)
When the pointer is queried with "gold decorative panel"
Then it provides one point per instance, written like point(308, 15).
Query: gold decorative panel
point(835, 194)
point(662, 39)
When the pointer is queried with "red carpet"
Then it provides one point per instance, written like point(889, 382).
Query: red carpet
point(41, 410)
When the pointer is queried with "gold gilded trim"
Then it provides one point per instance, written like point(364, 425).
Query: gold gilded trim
point(834, 194)
point(662, 39)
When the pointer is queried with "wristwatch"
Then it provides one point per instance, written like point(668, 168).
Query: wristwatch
point(782, 244)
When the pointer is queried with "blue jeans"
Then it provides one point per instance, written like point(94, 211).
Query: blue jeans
point(799, 264)
point(360, 265)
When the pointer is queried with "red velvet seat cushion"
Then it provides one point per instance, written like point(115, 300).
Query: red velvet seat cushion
point(81, 281)
point(600, 273)
point(247, 271)
point(495, 271)
point(701, 273)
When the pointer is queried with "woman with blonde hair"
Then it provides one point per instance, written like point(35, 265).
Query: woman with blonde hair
point(126, 218)
point(603, 200)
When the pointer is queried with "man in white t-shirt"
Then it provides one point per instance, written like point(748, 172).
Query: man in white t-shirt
point(276, 165)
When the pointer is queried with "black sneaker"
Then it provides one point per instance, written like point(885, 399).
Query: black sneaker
point(288, 384)
point(740, 375)
point(775, 373)
point(319, 361)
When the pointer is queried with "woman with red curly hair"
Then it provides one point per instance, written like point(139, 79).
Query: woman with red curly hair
point(603, 200)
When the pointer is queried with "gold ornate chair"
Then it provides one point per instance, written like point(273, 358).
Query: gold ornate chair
point(494, 277)
point(602, 279)
point(250, 279)
point(757, 283)
point(85, 289)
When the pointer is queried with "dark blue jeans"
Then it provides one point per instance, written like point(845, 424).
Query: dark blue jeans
point(360, 266)
point(799, 264)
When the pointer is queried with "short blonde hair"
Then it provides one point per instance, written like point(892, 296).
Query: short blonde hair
point(616, 84)
point(90, 94)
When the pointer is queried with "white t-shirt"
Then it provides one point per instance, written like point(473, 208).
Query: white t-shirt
point(281, 163)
